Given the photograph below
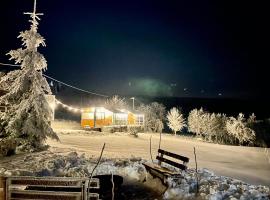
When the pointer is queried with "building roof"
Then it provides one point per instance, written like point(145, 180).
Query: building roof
point(115, 110)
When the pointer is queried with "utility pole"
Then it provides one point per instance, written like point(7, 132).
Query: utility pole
point(133, 106)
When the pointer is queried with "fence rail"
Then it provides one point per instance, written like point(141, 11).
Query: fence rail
point(3, 108)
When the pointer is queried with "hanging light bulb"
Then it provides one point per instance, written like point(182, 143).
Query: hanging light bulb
point(70, 108)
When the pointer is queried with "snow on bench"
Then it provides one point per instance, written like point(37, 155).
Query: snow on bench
point(162, 172)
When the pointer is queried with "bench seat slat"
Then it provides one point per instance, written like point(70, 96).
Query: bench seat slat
point(31, 194)
point(173, 155)
point(36, 192)
point(160, 169)
point(178, 165)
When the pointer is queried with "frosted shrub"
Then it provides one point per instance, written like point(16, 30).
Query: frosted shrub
point(134, 130)
point(237, 127)
point(221, 129)
point(251, 119)
point(215, 128)
point(7, 146)
point(158, 126)
point(154, 116)
point(211, 126)
point(115, 102)
point(176, 121)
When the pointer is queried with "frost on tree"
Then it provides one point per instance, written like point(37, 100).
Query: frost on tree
point(176, 121)
point(115, 102)
point(154, 116)
point(195, 121)
point(26, 124)
point(237, 127)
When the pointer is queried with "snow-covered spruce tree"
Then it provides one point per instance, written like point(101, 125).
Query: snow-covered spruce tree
point(26, 124)
point(237, 127)
point(176, 121)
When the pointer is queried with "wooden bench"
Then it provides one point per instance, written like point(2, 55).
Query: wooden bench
point(157, 170)
point(64, 188)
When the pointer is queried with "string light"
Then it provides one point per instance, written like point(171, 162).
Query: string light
point(70, 108)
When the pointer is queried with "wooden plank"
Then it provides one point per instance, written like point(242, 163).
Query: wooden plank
point(157, 174)
point(47, 178)
point(52, 182)
point(3, 188)
point(160, 172)
point(50, 188)
point(32, 194)
point(44, 181)
point(23, 199)
point(85, 190)
point(173, 155)
point(160, 169)
point(2, 182)
point(93, 196)
point(45, 192)
point(177, 165)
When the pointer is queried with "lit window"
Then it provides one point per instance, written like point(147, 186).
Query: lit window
point(120, 119)
point(100, 115)
point(87, 115)
point(139, 119)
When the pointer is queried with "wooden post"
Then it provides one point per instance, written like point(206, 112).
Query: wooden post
point(159, 161)
point(197, 179)
point(3, 188)
point(95, 117)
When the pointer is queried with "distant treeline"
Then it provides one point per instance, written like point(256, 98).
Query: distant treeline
point(228, 106)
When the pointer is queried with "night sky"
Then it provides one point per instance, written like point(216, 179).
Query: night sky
point(158, 48)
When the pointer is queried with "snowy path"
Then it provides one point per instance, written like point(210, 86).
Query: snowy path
point(245, 163)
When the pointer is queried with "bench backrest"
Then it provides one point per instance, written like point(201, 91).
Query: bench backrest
point(183, 159)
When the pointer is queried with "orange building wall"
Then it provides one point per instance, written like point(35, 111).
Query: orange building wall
point(131, 119)
point(99, 122)
point(108, 121)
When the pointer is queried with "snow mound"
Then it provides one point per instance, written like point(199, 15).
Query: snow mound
point(211, 186)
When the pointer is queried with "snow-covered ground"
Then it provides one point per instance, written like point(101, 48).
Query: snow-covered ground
point(249, 164)
point(140, 185)
point(124, 154)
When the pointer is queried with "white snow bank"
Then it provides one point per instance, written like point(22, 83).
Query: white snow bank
point(211, 186)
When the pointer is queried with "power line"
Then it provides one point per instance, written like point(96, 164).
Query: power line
point(138, 101)
point(102, 95)
point(9, 65)
point(71, 86)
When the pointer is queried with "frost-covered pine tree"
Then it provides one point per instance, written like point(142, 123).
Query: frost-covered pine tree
point(26, 124)
point(176, 121)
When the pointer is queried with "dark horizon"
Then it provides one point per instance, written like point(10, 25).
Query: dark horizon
point(176, 48)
